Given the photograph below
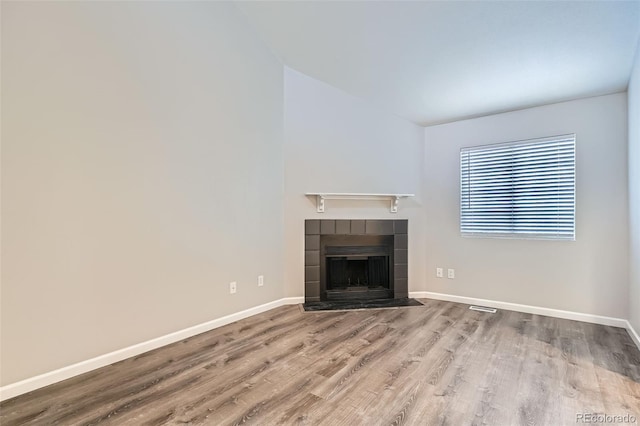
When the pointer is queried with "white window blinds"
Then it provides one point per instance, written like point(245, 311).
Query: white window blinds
point(519, 189)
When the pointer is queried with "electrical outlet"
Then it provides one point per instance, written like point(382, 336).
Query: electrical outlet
point(232, 287)
point(260, 280)
point(439, 273)
point(451, 273)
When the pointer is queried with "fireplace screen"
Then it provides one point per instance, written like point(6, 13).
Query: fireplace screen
point(357, 271)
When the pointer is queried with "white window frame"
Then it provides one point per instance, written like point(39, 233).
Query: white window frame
point(501, 172)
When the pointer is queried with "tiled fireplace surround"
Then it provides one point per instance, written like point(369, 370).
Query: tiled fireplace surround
point(315, 228)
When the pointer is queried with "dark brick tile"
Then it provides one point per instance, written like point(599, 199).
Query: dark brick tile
point(312, 273)
point(312, 242)
point(401, 242)
point(343, 227)
point(312, 291)
point(401, 256)
point(327, 227)
point(379, 227)
point(401, 226)
point(312, 258)
point(357, 227)
point(312, 227)
point(400, 271)
point(401, 285)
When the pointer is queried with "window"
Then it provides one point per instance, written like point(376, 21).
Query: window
point(522, 189)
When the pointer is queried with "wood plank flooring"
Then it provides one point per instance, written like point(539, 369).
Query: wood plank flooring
point(438, 364)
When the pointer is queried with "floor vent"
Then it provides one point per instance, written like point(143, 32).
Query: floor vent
point(483, 309)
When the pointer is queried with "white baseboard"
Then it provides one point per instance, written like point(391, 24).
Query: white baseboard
point(537, 310)
point(42, 380)
point(634, 334)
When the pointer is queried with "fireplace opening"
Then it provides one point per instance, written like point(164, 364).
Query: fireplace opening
point(356, 267)
point(351, 277)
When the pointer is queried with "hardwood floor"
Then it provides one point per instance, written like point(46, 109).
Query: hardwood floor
point(435, 364)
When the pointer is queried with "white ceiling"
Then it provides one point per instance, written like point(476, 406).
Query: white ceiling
point(439, 61)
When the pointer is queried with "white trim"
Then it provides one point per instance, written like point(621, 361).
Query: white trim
point(556, 313)
point(42, 380)
point(634, 335)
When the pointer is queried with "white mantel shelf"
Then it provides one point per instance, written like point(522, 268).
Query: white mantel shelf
point(321, 196)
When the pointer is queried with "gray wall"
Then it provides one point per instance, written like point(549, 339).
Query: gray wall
point(142, 171)
point(335, 142)
point(634, 192)
point(589, 275)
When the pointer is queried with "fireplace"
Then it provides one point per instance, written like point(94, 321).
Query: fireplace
point(355, 260)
